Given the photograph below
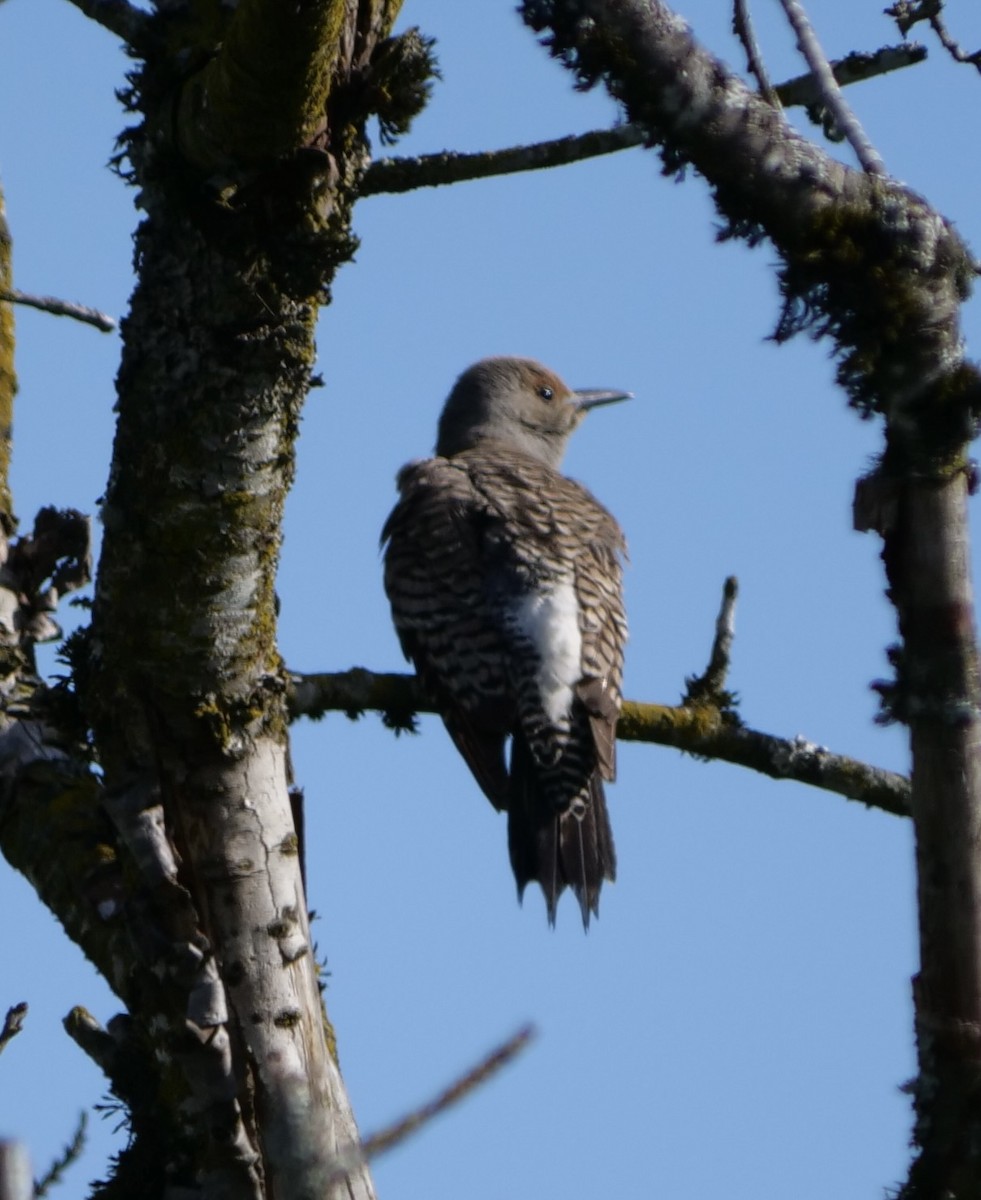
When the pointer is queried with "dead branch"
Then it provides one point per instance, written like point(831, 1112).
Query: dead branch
point(742, 27)
point(703, 730)
point(392, 1136)
point(387, 176)
point(845, 120)
point(62, 308)
point(13, 1024)
point(908, 13)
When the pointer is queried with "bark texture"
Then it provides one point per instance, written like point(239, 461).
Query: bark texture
point(179, 870)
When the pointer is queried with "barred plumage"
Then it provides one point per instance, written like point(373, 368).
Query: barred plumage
point(504, 578)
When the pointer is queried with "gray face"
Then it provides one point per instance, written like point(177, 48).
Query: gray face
point(516, 401)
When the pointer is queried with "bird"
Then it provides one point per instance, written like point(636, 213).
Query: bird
point(504, 578)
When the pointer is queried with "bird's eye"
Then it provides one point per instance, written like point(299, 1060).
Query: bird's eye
point(546, 393)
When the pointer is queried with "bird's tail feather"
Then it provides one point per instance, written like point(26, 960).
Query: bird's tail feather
point(559, 847)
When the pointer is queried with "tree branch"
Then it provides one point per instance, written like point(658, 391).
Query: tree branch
point(709, 687)
point(394, 1135)
point(702, 729)
point(390, 175)
point(395, 175)
point(742, 27)
point(908, 13)
point(845, 120)
point(803, 90)
point(13, 1024)
point(872, 265)
point(70, 1153)
point(61, 308)
point(120, 18)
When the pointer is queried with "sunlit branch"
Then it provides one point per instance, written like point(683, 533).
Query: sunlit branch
point(62, 308)
point(435, 170)
point(845, 120)
point(699, 729)
point(742, 27)
point(394, 175)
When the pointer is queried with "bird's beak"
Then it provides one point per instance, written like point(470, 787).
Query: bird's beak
point(587, 398)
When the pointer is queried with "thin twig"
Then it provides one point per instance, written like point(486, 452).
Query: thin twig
point(831, 94)
point(71, 1153)
point(490, 1064)
point(709, 686)
point(906, 14)
point(742, 27)
point(392, 175)
point(434, 170)
point(952, 46)
point(701, 729)
point(405, 1127)
point(62, 308)
point(119, 17)
point(13, 1024)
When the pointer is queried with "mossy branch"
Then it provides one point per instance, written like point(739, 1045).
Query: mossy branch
point(704, 730)
point(394, 175)
point(846, 238)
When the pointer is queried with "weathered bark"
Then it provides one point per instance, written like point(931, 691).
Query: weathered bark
point(938, 695)
point(248, 153)
point(872, 265)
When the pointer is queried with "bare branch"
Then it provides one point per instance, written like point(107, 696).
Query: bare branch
point(853, 68)
point(390, 175)
point(742, 27)
point(707, 732)
point(120, 18)
point(907, 13)
point(13, 1024)
point(701, 729)
point(393, 175)
point(71, 1153)
point(709, 687)
point(479, 1074)
point(61, 308)
point(831, 94)
point(405, 1127)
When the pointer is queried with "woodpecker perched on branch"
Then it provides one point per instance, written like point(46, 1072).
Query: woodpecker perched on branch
point(504, 579)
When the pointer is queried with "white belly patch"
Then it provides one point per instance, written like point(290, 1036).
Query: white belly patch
point(550, 621)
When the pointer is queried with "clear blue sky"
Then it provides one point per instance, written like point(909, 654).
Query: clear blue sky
point(738, 1021)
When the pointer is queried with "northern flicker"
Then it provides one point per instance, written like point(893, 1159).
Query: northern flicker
point(504, 578)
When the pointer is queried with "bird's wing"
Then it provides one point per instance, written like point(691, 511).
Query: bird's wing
point(603, 623)
point(435, 584)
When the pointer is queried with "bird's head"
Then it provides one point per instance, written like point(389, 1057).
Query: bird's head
point(519, 402)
